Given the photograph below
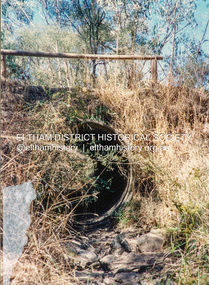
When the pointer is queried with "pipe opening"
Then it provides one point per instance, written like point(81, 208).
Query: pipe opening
point(110, 173)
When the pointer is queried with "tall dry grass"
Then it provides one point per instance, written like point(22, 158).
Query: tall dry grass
point(172, 187)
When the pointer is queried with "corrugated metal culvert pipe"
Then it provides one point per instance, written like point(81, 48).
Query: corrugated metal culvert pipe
point(111, 174)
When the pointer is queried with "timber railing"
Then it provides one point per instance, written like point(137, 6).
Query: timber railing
point(153, 59)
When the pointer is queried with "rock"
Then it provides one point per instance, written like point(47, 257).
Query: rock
point(120, 244)
point(107, 261)
point(108, 278)
point(133, 244)
point(127, 278)
point(89, 276)
point(153, 241)
point(108, 258)
point(124, 263)
point(86, 257)
point(128, 262)
point(108, 281)
point(74, 246)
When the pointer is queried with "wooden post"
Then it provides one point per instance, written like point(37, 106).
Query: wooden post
point(3, 68)
point(154, 70)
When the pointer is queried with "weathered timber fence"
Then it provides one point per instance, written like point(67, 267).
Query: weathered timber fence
point(153, 59)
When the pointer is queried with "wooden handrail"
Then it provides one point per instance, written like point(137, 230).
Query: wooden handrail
point(153, 59)
point(80, 56)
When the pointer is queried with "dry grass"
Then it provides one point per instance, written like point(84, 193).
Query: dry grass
point(171, 187)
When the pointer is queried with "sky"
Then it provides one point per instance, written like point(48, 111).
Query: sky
point(202, 16)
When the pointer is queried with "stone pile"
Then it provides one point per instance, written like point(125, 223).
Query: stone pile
point(119, 257)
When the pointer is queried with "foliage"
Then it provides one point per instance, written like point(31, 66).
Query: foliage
point(49, 39)
point(129, 214)
point(16, 13)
